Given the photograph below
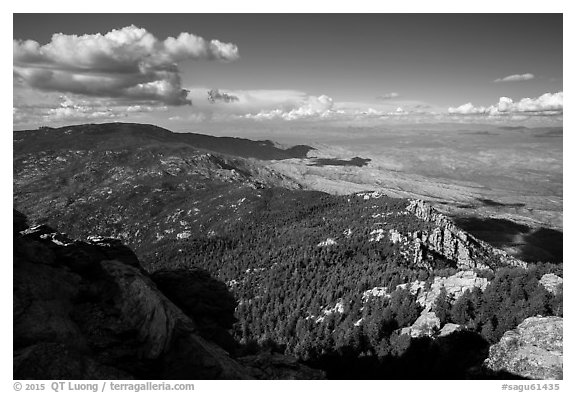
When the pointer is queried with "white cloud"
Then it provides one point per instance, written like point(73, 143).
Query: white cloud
point(468, 109)
point(312, 107)
point(515, 78)
point(129, 63)
point(546, 104)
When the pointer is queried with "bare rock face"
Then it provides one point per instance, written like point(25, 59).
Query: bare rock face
point(160, 324)
point(450, 328)
point(552, 283)
point(427, 324)
point(454, 244)
point(532, 350)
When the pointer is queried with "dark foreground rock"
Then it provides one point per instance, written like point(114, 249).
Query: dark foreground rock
point(532, 350)
point(277, 366)
point(87, 310)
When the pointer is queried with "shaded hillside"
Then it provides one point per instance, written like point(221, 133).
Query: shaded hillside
point(132, 135)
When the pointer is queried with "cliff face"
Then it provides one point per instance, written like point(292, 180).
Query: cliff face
point(533, 350)
point(454, 244)
point(86, 310)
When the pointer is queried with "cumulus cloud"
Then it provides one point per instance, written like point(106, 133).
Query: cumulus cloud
point(546, 104)
point(214, 95)
point(129, 64)
point(312, 107)
point(468, 109)
point(388, 96)
point(515, 78)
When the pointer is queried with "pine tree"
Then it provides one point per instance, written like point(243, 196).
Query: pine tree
point(442, 306)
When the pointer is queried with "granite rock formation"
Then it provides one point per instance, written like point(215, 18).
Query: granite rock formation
point(453, 243)
point(428, 324)
point(552, 283)
point(454, 285)
point(533, 350)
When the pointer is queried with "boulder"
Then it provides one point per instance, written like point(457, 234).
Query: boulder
point(532, 350)
point(450, 328)
point(552, 283)
point(426, 325)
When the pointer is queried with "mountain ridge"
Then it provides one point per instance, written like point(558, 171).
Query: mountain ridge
point(135, 134)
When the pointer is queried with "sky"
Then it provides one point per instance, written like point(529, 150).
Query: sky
point(219, 71)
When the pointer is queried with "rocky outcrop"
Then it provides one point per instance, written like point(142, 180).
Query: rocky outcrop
point(552, 283)
point(450, 328)
point(533, 350)
point(427, 324)
point(454, 285)
point(453, 243)
point(86, 310)
point(203, 298)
